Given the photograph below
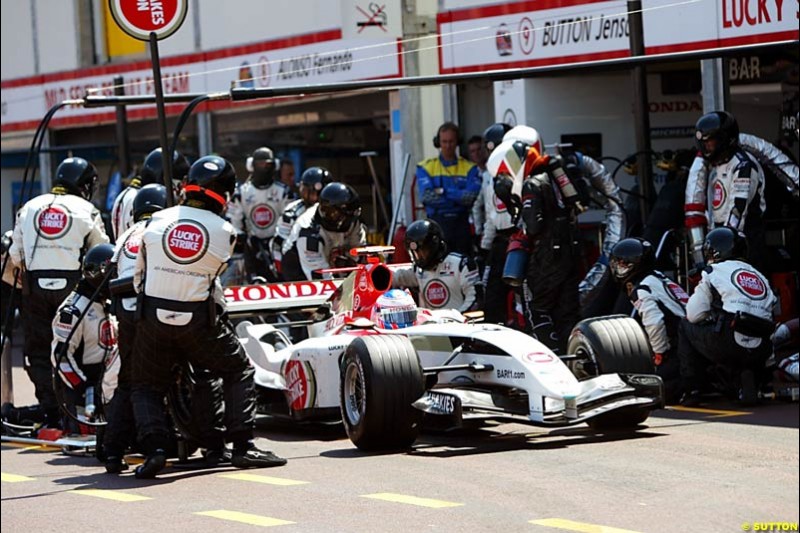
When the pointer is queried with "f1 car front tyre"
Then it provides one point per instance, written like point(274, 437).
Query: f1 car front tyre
point(606, 345)
point(381, 376)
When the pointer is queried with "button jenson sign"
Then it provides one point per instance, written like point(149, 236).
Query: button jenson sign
point(138, 18)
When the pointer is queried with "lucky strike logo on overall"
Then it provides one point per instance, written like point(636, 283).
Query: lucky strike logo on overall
point(185, 241)
point(262, 216)
point(436, 293)
point(53, 222)
point(718, 197)
point(750, 284)
point(131, 248)
point(677, 292)
point(107, 334)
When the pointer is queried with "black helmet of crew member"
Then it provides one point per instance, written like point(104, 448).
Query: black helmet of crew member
point(425, 243)
point(312, 181)
point(717, 136)
point(153, 167)
point(493, 135)
point(96, 263)
point(339, 207)
point(724, 243)
point(150, 198)
point(77, 176)
point(263, 167)
point(631, 260)
point(211, 181)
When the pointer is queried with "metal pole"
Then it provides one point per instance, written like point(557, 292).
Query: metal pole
point(641, 112)
point(377, 188)
point(123, 150)
point(6, 374)
point(716, 93)
point(162, 116)
point(399, 200)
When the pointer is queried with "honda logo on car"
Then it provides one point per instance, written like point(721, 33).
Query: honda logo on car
point(749, 284)
point(280, 291)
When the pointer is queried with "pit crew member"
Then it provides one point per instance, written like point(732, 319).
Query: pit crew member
point(536, 187)
point(444, 281)
point(729, 320)
point(311, 184)
point(325, 233)
point(51, 235)
point(254, 212)
point(182, 252)
point(81, 363)
point(152, 172)
point(659, 305)
point(728, 183)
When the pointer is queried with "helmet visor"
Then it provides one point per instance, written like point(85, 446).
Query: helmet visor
point(398, 317)
point(334, 218)
point(620, 268)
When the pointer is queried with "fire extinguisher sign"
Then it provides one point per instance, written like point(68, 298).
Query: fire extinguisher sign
point(138, 18)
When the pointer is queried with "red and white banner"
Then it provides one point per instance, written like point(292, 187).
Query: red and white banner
point(717, 24)
point(550, 32)
point(529, 34)
point(322, 57)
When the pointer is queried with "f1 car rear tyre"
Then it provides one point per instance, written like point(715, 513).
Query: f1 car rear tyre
point(606, 345)
point(381, 376)
point(195, 403)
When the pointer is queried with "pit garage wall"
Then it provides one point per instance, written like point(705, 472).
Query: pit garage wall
point(485, 36)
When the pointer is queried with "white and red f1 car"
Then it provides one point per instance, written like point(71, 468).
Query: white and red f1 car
point(381, 383)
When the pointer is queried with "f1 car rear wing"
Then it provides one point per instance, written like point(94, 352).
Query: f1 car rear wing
point(296, 295)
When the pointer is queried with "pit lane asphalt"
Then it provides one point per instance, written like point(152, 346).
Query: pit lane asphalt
point(684, 471)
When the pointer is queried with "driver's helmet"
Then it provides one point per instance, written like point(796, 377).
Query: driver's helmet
point(394, 309)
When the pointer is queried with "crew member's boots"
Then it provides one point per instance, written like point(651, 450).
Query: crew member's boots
point(154, 463)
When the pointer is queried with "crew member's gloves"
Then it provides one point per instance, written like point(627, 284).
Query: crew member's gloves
point(695, 274)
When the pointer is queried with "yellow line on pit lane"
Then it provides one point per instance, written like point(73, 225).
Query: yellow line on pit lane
point(264, 479)
point(14, 478)
point(35, 447)
point(411, 500)
point(583, 527)
point(245, 518)
point(715, 413)
point(111, 495)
